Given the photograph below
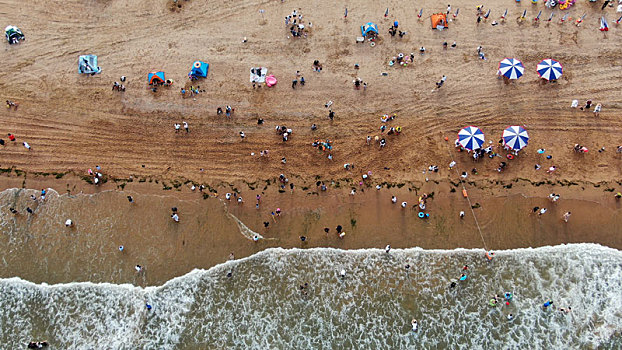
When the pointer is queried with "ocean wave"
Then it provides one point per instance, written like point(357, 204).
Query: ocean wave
point(255, 302)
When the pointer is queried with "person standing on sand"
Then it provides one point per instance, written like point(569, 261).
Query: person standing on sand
point(186, 127)
point(130, 199)
point(177, 126)
point(597, 110)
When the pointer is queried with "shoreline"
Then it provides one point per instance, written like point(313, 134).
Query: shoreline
point(369, 219)
point(222, 265)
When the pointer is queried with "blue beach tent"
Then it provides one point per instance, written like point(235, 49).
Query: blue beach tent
point(199, 70)
point(87, 64)
point(156, 78)
point(369, 29)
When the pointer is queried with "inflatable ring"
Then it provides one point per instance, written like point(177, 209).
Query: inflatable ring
point(563, 6)
point(421, 215)
point(372, 44)
point(492, 302)
point(197, 64)
point(510, 156)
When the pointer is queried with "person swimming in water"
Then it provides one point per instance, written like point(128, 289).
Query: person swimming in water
point(508, 296)
point(463, 277)
point(547, 304)
point(415, 325)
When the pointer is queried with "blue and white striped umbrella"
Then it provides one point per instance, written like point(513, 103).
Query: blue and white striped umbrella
point(511, 68)
point(471, 138)
point(549, 69)
point(515, 137)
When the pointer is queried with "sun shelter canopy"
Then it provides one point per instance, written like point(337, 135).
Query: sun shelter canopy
point(369, 29)
point(87, 64)
point(511, 68)
point(439, 21)
point(156, 78)
point(199, 69)
point(549, 69)
point(515, 137)
point(258, 74)
point(13, 34)
point(471, 138)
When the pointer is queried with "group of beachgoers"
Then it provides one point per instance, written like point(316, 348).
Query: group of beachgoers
point(295, 24)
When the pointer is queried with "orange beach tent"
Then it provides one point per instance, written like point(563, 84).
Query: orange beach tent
point(439, 21)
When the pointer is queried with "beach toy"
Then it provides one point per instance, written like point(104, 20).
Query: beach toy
point(271, 80)
point(510, 156)
point(464, 193)
point(492, 302)
point(490, 255)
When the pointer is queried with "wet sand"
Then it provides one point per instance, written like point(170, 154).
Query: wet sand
point(41, 249)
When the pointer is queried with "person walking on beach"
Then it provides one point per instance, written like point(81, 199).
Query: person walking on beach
point(186, 127)
point(387, 248)
point(566, 216)
point(177, 126)
point(605, 4)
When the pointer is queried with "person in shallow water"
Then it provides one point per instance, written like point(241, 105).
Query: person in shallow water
point(415, 325)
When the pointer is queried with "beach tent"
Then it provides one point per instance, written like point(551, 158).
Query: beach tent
point(549, 69)
point(87, 64)
point(471, 138)
point(258, 74)
point(515, 137)
point(369, 29)
point(156, 78)
point(439, 21)
point(511, 68)
point(13, 34)
point(199, 70)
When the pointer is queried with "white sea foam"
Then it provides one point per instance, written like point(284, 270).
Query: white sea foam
point(260, 306)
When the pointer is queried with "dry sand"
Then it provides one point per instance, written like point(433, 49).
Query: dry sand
point(74, 122)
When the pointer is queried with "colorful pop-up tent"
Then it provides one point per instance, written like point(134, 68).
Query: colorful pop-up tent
point(439, 21)
point(369, 29)
point(199, 70)
point(156, 78)
point(87, 64)
point(13, 34)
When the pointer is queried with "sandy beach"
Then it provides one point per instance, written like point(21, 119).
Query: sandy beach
point(74, 122)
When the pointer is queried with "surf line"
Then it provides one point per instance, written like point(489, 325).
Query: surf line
point(464, 191)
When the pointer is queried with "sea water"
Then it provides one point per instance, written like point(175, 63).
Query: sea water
point(256, 303)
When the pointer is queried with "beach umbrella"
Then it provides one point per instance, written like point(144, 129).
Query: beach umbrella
point(511, 68)
point(549, 69)
point(471, 138)
point(515, 137)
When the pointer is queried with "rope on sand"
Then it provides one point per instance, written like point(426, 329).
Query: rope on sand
point(468, 199)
